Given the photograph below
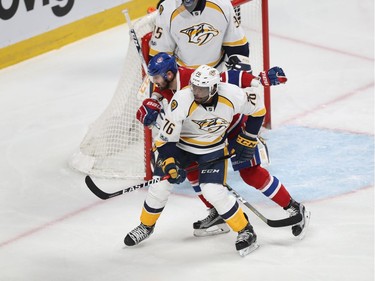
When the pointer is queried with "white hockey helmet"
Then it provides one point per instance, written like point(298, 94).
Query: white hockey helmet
point(203, 82)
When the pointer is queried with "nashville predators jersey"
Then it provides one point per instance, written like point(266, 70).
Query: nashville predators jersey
point(196, 38)
point(200, 129)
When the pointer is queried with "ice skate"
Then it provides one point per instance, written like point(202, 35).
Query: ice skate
point(138, 234)
point(246, 241)
point(213, 224)
point(294, 208)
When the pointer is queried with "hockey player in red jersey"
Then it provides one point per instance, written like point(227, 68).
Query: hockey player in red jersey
point(169, 78)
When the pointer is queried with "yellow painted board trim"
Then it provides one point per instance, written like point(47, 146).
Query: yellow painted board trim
point(72, 32)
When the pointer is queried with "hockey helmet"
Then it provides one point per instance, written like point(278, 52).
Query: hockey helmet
point(160, 64)
point(204, 82)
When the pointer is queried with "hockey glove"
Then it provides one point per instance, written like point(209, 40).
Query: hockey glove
point(238, 62)
point(148, 112)
point(274, 76)
point(170, 168)
point(245, 146)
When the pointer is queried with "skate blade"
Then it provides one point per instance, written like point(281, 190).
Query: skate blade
point(211, 231)
point(244, 252)
point(307, 221)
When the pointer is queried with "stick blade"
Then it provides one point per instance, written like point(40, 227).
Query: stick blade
point(285, 222)
point(94, 189)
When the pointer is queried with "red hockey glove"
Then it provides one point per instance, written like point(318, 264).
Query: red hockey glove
point(148, 112)
point(274, 76)
point(169, 167)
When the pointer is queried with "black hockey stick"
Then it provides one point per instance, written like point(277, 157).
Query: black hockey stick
point(273, 223)
point(104, 195)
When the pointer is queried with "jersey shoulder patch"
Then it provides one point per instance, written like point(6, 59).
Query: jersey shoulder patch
point(174, 104)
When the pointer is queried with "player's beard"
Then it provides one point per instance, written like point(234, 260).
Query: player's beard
point(164, 86)
point(201, 100)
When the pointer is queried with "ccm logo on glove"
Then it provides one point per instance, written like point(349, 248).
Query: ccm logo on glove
point(246, 142)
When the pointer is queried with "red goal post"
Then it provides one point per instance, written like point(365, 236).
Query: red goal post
point(263, 28)
point(116, 144)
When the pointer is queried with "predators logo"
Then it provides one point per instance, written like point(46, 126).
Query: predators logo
point(212, 125)
point(174, 105)
point(200, 34)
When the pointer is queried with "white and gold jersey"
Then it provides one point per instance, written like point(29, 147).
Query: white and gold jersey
point(201, 129)
point(196, 38)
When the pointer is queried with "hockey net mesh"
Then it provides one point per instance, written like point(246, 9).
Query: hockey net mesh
point(114, 144)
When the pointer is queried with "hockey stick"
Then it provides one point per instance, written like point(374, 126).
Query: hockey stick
point(273, 223)
point(104, 195)
point(133, 35)
point(137, 45)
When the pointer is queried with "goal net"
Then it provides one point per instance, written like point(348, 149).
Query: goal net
point(116, 144)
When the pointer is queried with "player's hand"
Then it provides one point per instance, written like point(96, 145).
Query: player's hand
point(274, 76)
point(245, 146)
point(238, 62)
point(170, 168)
point(148, 112)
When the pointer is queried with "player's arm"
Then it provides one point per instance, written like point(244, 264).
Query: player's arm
point(237, 50)
point(161, 40)
point(166, 141)
point(240, 73)
point(247, 141)
point(235, 41)
point(274, 76)
point(148, 112)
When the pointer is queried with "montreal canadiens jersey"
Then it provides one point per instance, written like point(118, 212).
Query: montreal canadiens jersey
point(196, 38)
point(201, 129)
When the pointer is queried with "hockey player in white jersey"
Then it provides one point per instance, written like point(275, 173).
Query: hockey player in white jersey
point(164, 71)
point(194, 130)
point(198, 32)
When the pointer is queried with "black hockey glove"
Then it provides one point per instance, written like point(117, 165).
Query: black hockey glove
point(245, 146)
point(238, 62)
point(170, 168)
